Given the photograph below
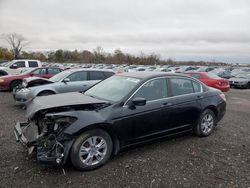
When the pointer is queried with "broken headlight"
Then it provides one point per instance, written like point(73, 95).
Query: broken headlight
point(57, 123)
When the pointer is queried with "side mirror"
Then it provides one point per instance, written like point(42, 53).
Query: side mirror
point(14, 66)
point(66, 80)
point(139, 101)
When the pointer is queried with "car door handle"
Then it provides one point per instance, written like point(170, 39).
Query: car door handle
point(200, 97)
point(166, 104)
point(84, 85)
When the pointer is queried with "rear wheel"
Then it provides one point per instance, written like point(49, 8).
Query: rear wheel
point(91, 149)
point(206, 123)
point(15, 84)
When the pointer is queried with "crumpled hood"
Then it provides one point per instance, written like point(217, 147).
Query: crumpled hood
point(238, 79)
point(30, 79)
point(59, 100)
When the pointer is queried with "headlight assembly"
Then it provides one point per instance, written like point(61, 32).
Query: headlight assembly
point(58, 123)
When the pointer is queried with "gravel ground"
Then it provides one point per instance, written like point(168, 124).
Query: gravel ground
point(220, 160)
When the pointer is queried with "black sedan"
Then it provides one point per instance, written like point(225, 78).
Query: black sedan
point(121, 111)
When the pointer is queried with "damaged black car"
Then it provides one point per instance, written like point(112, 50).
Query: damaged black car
point(119, 112)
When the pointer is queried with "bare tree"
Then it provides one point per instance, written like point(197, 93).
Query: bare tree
point(17, 42)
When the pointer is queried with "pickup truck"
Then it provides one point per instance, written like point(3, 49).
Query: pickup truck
point(18, 66)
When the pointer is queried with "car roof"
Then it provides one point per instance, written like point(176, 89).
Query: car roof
point(147, 74)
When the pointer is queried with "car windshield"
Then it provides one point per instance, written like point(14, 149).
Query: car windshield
point(113, 89)
point(60, 76)
point(212, 75)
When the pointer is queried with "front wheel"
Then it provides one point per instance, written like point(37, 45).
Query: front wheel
point(91, 149)
point(206, 123)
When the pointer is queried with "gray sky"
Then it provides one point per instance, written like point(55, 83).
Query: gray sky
point(216, 30)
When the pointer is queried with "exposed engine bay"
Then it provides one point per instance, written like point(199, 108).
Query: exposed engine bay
point(44, 132)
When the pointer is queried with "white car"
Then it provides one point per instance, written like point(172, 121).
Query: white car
point(18, 66)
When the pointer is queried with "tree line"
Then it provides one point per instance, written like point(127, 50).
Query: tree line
point(97, 56)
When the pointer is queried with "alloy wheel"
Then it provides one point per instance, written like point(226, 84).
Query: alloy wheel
point(93, 150)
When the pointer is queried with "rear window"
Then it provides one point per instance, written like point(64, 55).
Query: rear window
point(33, 63)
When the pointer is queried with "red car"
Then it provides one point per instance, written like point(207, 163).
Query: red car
point(9, 82)
point(211, 80)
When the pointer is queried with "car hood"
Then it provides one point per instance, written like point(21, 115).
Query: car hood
point(9, 76)
point(3, 68)
point(60, 100)
point(33, 78)
point(238, 79)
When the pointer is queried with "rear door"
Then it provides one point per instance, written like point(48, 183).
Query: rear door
point(186, 98)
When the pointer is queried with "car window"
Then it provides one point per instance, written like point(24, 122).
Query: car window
point(197, 76)
point(19, 64)
point(197, 87)
point(53, 71)
point(33, 63)
point(78, 76)
point(181, 86)
point(96, 75)
point(155, 89)
point(39, 71)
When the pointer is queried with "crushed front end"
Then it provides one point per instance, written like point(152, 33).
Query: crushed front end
point(44, 135)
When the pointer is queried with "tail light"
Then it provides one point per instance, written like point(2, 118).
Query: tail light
point(223, 96)
point(223, 83)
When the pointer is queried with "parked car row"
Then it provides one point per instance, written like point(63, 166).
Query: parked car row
point(225, 73)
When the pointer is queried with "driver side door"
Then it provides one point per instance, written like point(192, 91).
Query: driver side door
point(76, 82)
point(145, 122)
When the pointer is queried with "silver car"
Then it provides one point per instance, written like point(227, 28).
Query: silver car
point(71, 80)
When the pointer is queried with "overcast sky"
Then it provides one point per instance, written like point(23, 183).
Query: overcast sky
point(216, 30)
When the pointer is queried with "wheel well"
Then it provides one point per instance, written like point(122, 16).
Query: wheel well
point(3, 73)
point(214, 110)
point(15, 81)
point(50, 91)
point(115, 140)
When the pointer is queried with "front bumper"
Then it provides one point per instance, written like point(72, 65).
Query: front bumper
point(238, 84)
point(20, 97)
point(54, 154)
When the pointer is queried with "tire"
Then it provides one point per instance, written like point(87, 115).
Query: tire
point(84, 156)
point(206, 123)
point(14, 84)
point(46, 93)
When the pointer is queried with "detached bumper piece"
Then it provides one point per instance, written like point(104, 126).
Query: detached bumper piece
point(26, 134)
